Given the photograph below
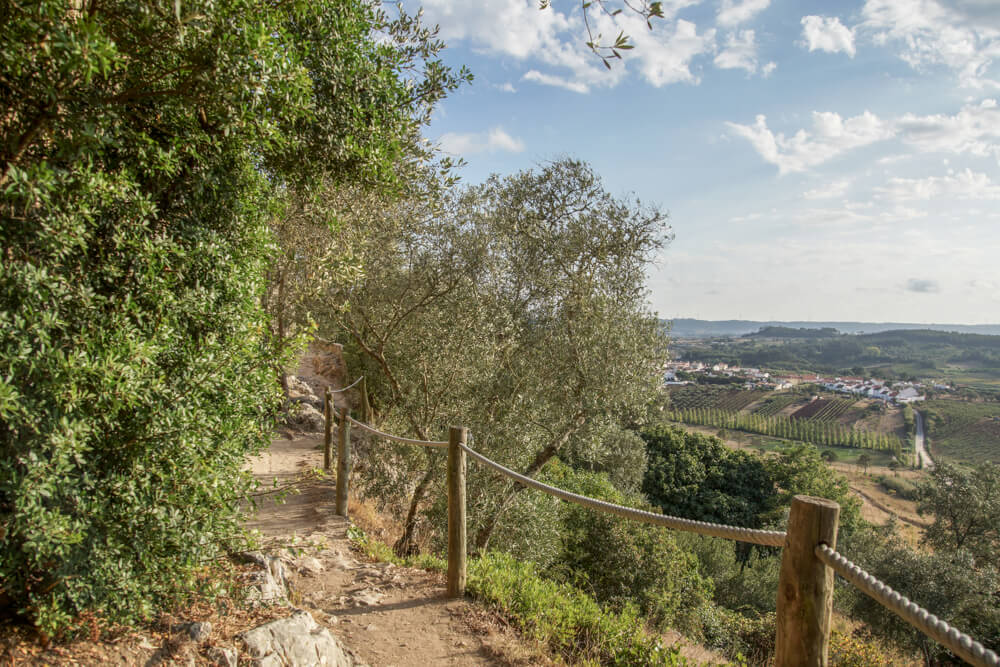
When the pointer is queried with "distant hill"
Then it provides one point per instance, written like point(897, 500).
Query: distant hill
point(684, 327)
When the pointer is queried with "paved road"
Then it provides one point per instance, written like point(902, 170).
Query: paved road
point(919, 444)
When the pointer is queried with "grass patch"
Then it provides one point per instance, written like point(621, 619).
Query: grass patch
point(898, 486)
point(569, 621)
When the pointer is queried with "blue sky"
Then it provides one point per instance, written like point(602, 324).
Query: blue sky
point(819, 160)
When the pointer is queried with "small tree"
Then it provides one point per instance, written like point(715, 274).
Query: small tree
point(516, 308)
point(965, 504)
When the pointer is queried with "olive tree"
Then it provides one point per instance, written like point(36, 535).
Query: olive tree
point(517, 308)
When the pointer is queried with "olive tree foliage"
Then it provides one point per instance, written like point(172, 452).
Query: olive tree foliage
point(965, 503)
point(610, 50)
point(516, 308)
point(144, 149)
point(949, 583)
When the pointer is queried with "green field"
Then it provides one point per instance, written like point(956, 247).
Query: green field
point(962, 430)
point(843, 454)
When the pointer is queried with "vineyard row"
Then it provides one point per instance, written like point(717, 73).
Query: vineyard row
point(806, 430)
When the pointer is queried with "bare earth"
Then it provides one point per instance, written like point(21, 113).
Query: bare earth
point(388, 615)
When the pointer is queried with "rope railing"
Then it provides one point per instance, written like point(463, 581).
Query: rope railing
point(805, 589)
point(956, 641)
point(770, 538)
point(360, 379)
point(397, 438)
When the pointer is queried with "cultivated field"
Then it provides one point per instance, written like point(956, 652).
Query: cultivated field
point(963, 431)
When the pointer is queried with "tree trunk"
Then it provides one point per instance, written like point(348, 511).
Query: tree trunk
point(404, 545)
point(543, 457)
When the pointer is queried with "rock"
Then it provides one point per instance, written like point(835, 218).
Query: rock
point(299, 392)
point(270, 582)
point(298, 389)
point(305, 417)
point(328, 361)
point(366, 598)
point(296, 641)
point(199, 632)
point(309, 566)
point(223, 657)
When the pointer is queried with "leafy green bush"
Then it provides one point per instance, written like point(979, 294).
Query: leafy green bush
point(143, 152)
point(622, 562)
point(566, 619)
point(900, 486)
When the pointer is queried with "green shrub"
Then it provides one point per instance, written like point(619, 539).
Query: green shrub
point(144, 149)
point(569, 621)
point(622, 562)
point(900, 486)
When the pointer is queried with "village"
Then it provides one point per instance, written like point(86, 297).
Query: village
point(691, 372)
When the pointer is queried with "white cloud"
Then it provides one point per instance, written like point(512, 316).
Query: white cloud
point(663, 57)
point(964, 185)
point(974, 129)
point(495, 140)
point(733, 12)
point(519, 29)
point(768, 69)
point(824, 33)
point(964, 37)
point(831, 135)
point(558, 81)
point(740, 52)
point(554, 42)
point(828, 191)
point(508, 87)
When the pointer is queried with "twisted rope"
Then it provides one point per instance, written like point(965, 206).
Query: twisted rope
point(958, 642)
point(333, 391)
point(771, 538)
point(407, 441)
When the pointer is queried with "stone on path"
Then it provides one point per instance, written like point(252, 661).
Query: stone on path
point(296, 641)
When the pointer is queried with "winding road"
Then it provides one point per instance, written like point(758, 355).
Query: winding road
point(919, 442)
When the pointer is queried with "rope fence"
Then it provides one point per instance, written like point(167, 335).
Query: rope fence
point(809, 557)
point(396, 438)
point(769, 538)
point(355, 383)
point(958, 642)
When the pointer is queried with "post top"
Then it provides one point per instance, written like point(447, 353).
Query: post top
point(816, 500)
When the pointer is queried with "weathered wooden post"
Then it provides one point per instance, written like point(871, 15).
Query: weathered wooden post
point(457, 437)
point(343, 461)
point(805, 586)
point(327, 429)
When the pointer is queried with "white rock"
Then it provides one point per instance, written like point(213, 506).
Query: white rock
point(271, 582)
point(296, 641)
point(309, 565)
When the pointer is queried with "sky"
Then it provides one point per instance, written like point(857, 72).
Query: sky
point(819, 160)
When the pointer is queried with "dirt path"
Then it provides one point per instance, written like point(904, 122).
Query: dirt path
point(388, 615)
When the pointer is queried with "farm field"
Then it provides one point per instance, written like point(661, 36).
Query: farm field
point(963, 431)
point(823, 409)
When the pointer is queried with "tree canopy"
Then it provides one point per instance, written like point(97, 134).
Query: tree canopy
point(516, 308)
point(144, 149)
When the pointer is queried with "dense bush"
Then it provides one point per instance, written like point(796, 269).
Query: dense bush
point(622, 562)
point(143, 148)
point(900, 486)
point(566, 619)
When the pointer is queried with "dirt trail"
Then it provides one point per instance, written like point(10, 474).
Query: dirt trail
point(388, 615)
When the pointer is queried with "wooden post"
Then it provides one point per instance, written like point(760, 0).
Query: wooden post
point(327, 429)
point(457, 436)
point(343, 461)
point(805, 587)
